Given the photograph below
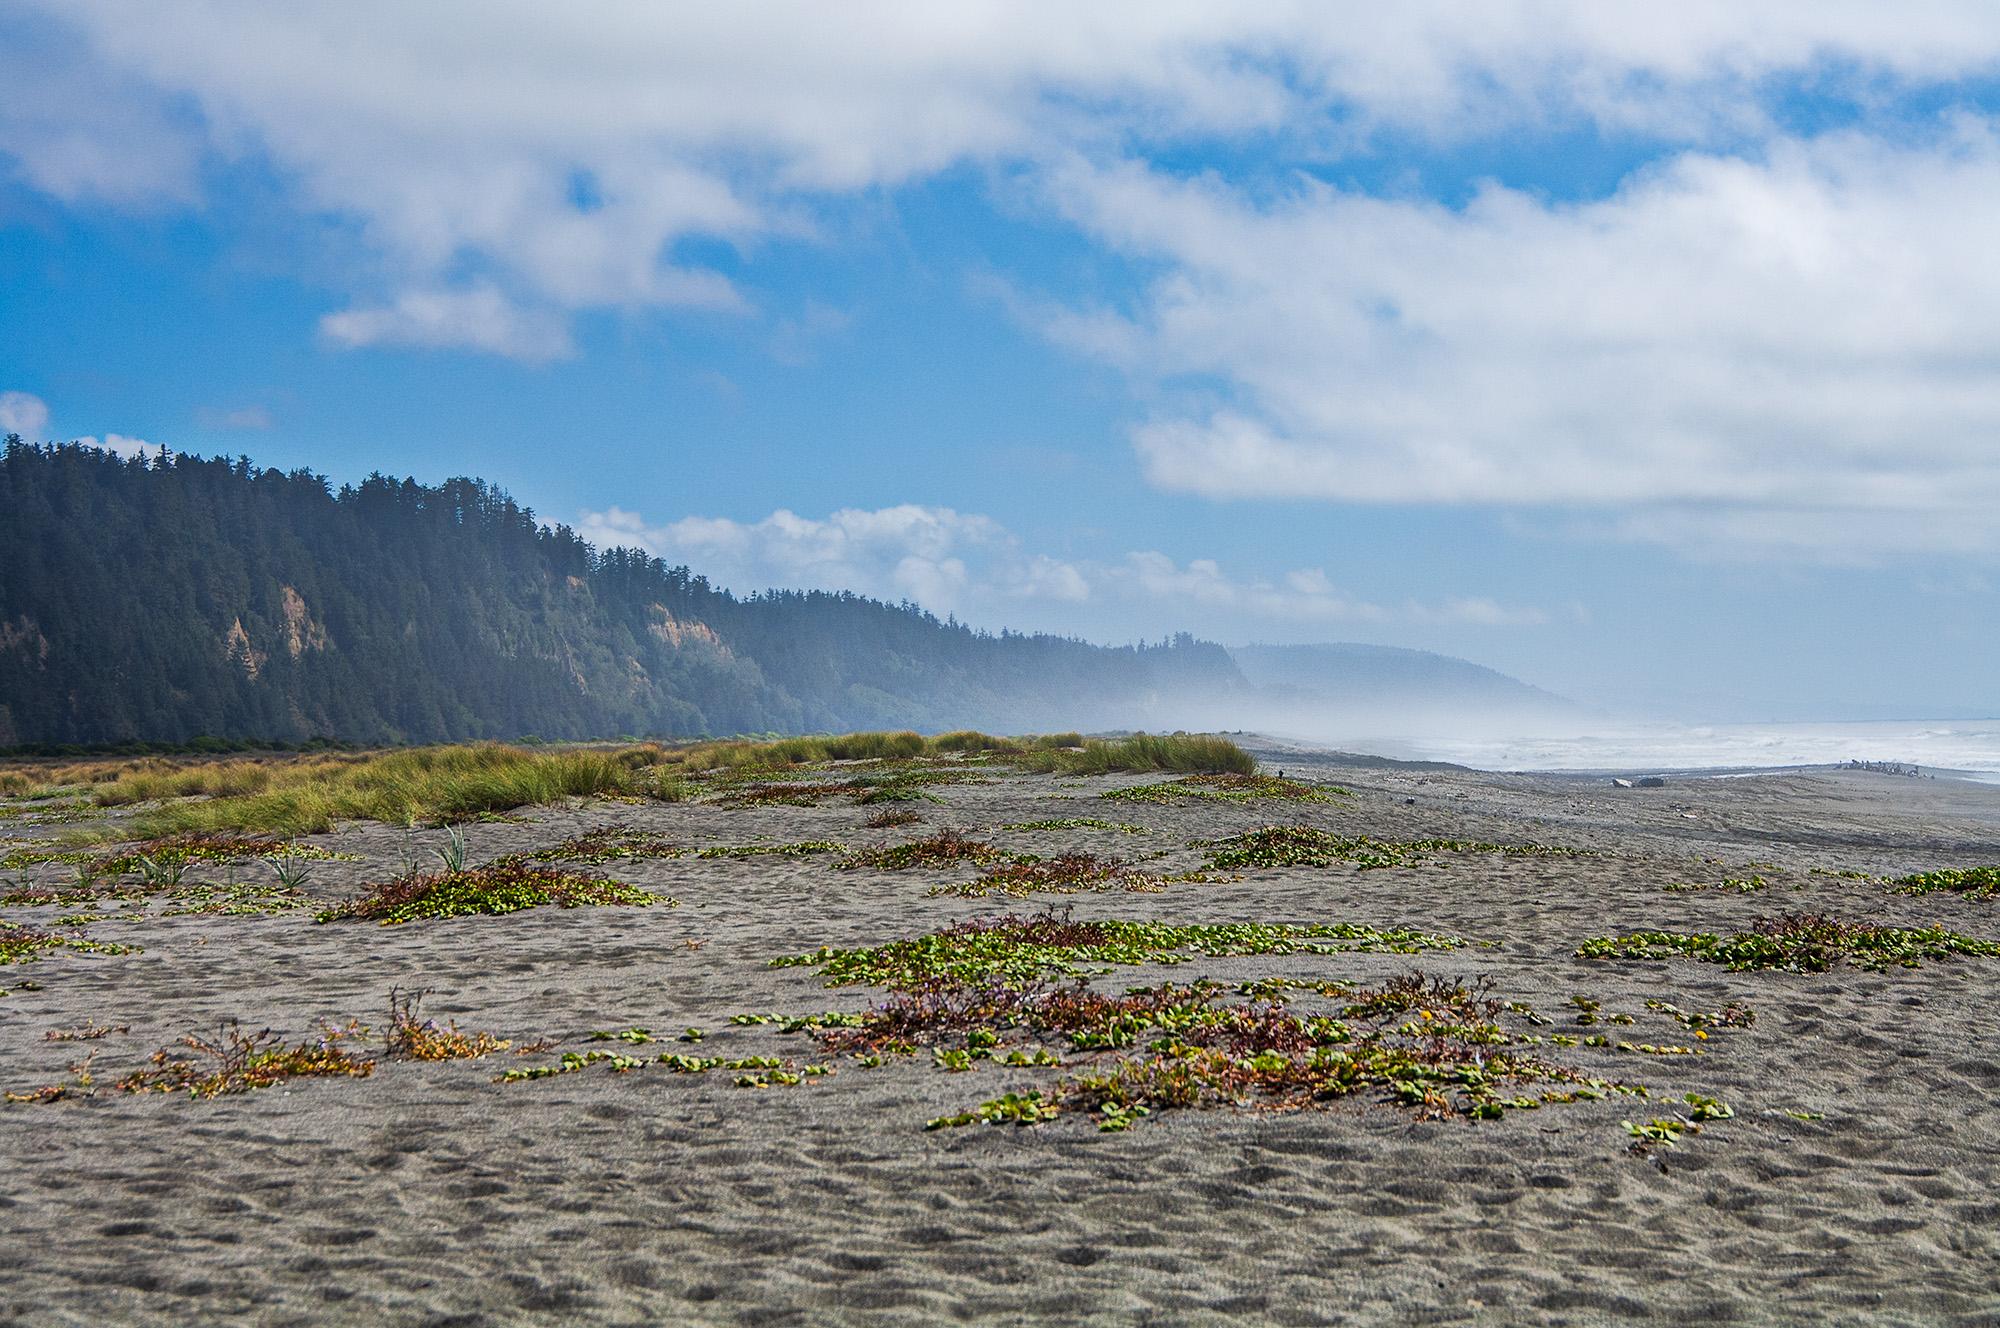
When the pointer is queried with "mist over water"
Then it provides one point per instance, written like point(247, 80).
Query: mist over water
point(1970, 747)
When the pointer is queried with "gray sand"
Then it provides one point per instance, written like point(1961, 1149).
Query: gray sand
point(429, 1194)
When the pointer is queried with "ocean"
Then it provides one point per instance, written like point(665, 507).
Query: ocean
point(1969, 748)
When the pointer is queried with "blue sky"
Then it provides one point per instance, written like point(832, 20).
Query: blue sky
point(1654, 362)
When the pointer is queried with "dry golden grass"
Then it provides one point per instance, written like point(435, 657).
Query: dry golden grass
point(308, 793)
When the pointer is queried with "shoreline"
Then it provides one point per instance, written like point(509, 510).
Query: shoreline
point(1278, 745)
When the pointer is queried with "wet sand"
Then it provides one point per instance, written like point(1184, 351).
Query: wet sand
point(1856, 1183)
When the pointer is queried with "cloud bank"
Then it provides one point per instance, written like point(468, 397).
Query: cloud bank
point(1763, 338)
point(971, 566)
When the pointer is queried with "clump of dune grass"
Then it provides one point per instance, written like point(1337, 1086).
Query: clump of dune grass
point(1063, 753)
point(420, 786)
point(1188, 753)
point(974, 742)
point(498, 887)
point(779, 753)
point(161, 780)
point(307, 794)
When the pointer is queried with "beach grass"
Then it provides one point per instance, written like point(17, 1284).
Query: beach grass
point(309, 794)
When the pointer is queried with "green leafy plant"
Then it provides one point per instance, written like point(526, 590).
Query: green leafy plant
point(291, 873)
point(1066, 874)
point(1019, 948)
point(1798, 942)
point(1277, 846)
point(452, 856)
point(1966, 882)
point(1229, 787)
point(494, 888)
point(1011, 1109)
point(947, 848)
point(161, 873)
point(805, 849)
point(23, 945)
point(1740, 885)
point(1077, 823)
point(1736, 1014)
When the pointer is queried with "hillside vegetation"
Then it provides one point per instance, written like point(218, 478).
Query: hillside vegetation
point(163, 600)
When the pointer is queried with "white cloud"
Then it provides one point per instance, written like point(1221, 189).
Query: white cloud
point(480, 317)
point(82, 130)
point(127, 448)
point(951, 562)
point(23, 413)
point(1305, 595)
point(560, 153)
point(28, 415)
point(1808, 332)
point(893, 553)
point(1783, 333)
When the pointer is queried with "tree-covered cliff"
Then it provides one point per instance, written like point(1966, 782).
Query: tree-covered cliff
point(159, 600)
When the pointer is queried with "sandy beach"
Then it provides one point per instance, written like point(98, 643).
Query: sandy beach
point(1856, 1181)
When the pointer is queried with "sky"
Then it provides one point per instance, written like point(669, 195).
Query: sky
point(1650, 354)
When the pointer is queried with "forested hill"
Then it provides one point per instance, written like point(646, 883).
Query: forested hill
point(185, 596)
point(1387, 676)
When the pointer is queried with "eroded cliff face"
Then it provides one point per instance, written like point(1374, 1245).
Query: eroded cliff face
point(680, 633)
point(302, 632)
point(236, 648)
point(295, 633)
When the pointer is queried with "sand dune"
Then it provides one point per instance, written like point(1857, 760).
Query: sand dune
point(1857, 1181)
